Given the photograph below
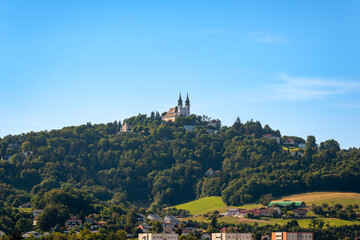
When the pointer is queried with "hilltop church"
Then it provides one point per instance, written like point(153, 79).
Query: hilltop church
point(179, 110)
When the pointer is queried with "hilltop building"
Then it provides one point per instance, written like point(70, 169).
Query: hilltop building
point(179, 110)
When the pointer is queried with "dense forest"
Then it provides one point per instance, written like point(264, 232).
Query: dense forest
point(162, 163)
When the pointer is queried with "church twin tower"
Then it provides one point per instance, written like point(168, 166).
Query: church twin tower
point(179, 110)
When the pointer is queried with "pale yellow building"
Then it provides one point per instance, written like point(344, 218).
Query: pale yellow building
point(231, 236)
point(158, 236)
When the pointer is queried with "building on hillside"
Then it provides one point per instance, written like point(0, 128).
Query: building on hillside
point(140, 217)
point(26, 205)
point(231, 236)
point(233, 211)
point(206, 236)
point(32, 234)
point(189, 128)
point(289, 141)
point(168, 230)
point(154, 217)
point(126, 128)
point(300, 212)
point(178, 111)
point(301, 145)
point(72, 223)
point(170, 221)
point(209, 172)
point(37, 212)
point(269, 136)
point(292, 236)
point(298, 204)
point(2, 233)
point(158, 236)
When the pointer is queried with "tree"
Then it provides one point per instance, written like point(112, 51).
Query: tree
point(54, 213)
point(23, 225)
point(156, 227)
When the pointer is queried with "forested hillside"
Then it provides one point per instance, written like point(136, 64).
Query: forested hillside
point(165, 164)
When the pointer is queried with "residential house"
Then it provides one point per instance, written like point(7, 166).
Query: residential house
point(289, 141)
point(209, 172)
point(126, 128)
point(189, 231)
point(89, 220)
point(206, 236)
point(140, 217)
point(231, 236)
point(72, 223)
point(301, 145)
point(94, 228)
point(270, 136)
point(154, 217)
point(168, 230)
point(292, 235)
point(2, 233)
point(101, 224)
point(189, 128)
point(26, 205)
point(170, 221)
point(267, 212)
point(32, 234)
point(37, 212)
point(300, 212)
point(158, 236)
point(233, 211)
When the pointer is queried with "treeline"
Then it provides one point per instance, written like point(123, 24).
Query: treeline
point(165, 164)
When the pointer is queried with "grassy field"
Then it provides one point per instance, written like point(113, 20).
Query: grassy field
point(209, 204)
point(330, 198)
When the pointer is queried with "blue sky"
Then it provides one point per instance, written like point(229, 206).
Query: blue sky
point(292, 65)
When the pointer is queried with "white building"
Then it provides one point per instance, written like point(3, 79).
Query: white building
point(231, 236)
point(292, 235)
point(126, 128)
point(190, 128)
point(31, 234)
point(178, 111)
point(154, 217)
point(37, 212)
point(158, 236)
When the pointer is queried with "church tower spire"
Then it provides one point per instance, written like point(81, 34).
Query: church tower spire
point(187, 102)
point(180, 102)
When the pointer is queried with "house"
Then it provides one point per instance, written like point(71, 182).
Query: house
point(300, 212)
point(178, 111)
point(101, 224)
point(289, 141)
point(2, 233)
point(231, 236)
point(233, 212)
point(142, 228)
point(213, 123)
point(298, 204)
point(270, 136)
point(292, 235)
point(267, 212)
point(189, 231)
point(32, 234)
point(26, 205)
point(140, 217)
point(126, 128)
point(37, 212)
point(72, 223)
point(189, 128)
point(170, 221)
point(94, 228)
point(209, 172)
point(89, 220)
point(158, 236)
point(154, 217)
point(206, 236)
point(301, 145)
point(168, 230)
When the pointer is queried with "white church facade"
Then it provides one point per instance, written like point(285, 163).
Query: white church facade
point(179, 110)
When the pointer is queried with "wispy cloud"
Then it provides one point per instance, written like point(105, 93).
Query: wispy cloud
point(265, 37)
point(298, 88)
